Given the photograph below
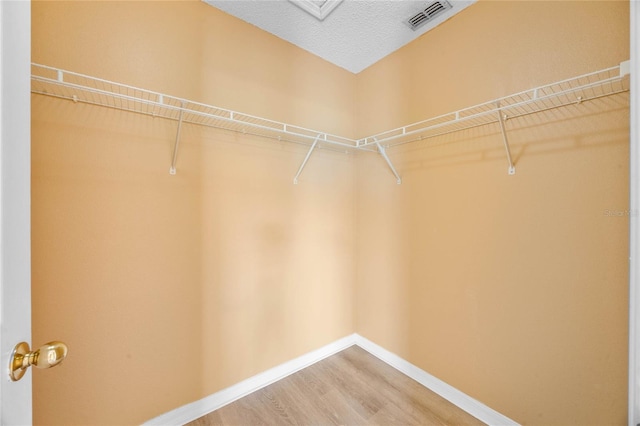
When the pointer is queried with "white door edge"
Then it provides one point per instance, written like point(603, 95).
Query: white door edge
point(15, 201)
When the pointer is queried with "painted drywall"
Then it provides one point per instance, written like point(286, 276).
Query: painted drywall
point(513, 289)
point(169, 288)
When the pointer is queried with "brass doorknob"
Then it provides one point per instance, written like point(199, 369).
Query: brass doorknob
point(46, 356)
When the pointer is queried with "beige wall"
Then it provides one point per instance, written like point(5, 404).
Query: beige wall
point(169, 288)
point(510, 288)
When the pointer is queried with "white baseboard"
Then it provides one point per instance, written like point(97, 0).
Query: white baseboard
point(197, 409)
point(448, 392)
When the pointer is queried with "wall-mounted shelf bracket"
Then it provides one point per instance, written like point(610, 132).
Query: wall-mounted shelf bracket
point(383, 152)
point(304, 162)
point(512, 167)
point(172, 170)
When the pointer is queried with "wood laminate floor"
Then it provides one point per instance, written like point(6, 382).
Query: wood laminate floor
point(351, 387)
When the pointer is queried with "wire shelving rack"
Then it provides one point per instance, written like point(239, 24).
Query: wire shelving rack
point(86, 89)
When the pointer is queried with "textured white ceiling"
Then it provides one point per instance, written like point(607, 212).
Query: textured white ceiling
point(355, 35)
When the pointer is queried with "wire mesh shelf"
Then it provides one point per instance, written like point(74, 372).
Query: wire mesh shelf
point(82, 88)
point(586, 87)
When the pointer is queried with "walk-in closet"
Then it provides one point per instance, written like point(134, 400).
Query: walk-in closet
point(210, 202)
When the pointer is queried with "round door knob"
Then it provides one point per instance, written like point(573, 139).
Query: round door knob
point(46, 356)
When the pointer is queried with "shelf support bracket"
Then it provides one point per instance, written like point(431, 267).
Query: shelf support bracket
point(304, 162)
point(172, 170)
point(383, 152)
point(512, 167)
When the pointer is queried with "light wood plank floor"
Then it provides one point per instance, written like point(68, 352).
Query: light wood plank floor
point(351, 387)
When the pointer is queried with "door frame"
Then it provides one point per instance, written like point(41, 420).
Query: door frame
point(634, 218)
point(15, 204)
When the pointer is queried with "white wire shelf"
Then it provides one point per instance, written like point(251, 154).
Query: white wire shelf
point(63, 84)
point(586, 87)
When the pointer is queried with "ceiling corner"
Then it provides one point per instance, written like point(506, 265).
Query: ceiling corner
point(319, 9)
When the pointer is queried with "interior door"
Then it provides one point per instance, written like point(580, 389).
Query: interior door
point(15, 247)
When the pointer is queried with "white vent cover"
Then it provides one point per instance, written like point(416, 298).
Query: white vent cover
point(319, 9)
point(431, 11)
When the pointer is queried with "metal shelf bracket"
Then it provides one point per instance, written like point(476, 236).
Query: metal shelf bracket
point(304, 162)
point(172, 170)
point(383, 152)
point(512, 167)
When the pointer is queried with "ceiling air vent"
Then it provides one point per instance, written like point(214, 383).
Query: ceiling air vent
point(431, 11)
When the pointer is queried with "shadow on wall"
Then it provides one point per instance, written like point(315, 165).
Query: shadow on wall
point(200, 279)
point(527, 135)
point(508, 280)
point(277, 257)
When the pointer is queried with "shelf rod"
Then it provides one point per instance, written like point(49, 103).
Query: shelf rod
point(512, 168)
point(304, 162)
point(330, 139)
point(383, 152)
point(233, 119)
point(172, 170)
point(524, 114)
point(458, 118)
